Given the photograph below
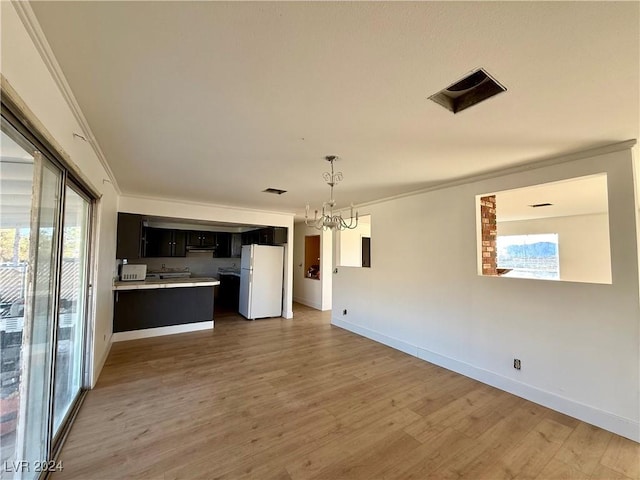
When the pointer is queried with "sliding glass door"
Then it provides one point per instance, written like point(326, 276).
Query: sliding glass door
point(72, 304)
point(30, 205)
point(44, 251)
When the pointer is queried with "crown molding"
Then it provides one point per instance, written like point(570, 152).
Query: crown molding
point(31, 24)
point(518, 168)
point(204, 204)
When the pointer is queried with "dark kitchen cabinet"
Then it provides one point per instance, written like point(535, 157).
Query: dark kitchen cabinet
point(229, 292)
point(163, 242)
point(265, 236)
point(236, 245)
point(151, 308)
point(223, 245)
point(280, 235)
point(158, 242)
point(129, 236)
point(218, 242)
point(250, 237)
point(201, 239)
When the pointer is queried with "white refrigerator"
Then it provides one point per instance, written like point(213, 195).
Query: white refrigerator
point(261, 272)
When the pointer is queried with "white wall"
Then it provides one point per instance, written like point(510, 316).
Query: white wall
point(578, 342)
point(308, 291)
point(26, 71)
point(218, 213)
point(583, 244)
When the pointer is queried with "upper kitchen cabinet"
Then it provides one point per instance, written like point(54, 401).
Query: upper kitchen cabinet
point(129, 237)
point(280, 235)
point(236, 245)
point(201, 239)
point(265, 236)
point(250, 237)
point(273, 236)
point(219, 243)
point(223, 245)
point(163, 242)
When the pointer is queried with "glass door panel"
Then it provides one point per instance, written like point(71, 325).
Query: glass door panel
point(29, 207)
point(40, 313)
point(16, 184)
point(72, 305)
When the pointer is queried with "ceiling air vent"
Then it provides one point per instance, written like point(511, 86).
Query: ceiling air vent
point(536, 205)
point(275, 191)
point(472, 89)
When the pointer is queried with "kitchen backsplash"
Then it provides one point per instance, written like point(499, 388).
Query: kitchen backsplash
point(199, 264)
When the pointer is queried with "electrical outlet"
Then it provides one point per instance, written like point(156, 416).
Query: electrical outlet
point(344, 312)
point(517, 364)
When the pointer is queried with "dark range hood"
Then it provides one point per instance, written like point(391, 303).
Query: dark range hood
point(200, 249)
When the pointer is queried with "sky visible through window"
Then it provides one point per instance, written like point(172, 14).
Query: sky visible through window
point(529, 256)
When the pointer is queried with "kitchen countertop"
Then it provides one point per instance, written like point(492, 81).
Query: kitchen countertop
point(167, 283)
point(229, 271)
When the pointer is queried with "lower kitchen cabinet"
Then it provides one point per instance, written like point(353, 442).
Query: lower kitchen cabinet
point(150, 308)
point(229, 292)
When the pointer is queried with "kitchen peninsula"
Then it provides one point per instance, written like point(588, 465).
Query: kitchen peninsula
point(167, 246)
point(157, 303)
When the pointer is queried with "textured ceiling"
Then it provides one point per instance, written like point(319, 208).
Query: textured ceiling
point(216, 101)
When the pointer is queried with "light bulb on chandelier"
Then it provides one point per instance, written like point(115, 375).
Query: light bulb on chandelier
point(327, 220)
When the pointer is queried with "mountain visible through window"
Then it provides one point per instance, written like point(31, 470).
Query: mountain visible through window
point(529, 256)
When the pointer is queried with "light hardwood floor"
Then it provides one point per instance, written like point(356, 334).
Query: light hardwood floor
point(300, 399)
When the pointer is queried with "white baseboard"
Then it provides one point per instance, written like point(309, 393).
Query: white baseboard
point(619, 425)
point(378, 337)
point(308, 303)
point(160, 331)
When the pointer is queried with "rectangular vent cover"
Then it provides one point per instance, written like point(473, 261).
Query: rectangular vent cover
point(275, 191)
point(472, 89)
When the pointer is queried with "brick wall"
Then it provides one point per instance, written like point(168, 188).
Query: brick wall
point(489, 233)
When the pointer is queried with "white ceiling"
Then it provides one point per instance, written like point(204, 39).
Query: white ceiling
point(216, 101)
point(579, 196)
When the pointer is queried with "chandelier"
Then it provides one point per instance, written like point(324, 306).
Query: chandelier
point(327, 220)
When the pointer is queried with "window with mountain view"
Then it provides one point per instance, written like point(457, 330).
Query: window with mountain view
point(529, 256)
point(550, 231)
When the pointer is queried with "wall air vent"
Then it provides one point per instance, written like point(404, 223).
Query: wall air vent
point(536, 205)
point(275, 191)
point(472, 89)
